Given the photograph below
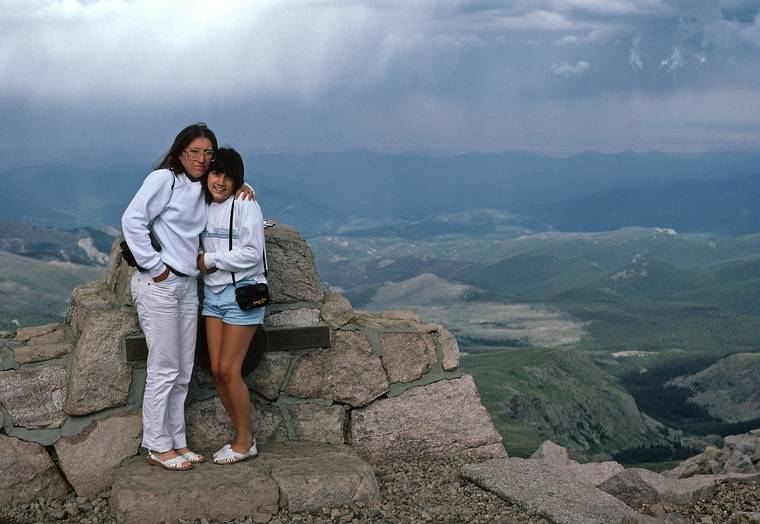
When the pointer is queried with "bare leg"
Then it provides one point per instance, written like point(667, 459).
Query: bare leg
point(235, 343)
point(214, 340)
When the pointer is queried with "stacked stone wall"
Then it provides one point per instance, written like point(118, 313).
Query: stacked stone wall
point(387, 384)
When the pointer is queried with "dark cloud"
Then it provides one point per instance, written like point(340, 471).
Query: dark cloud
point(536, 74)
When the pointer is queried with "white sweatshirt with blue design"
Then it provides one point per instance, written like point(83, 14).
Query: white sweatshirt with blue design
point(246, 259)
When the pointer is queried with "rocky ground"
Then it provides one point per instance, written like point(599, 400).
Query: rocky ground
point(423, 491)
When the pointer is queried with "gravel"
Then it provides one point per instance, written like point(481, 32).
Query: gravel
point(412, 492)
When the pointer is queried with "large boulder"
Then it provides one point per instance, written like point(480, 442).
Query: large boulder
point(594, 473)
point(314, 476)
point(439, 419)
point(42, 343)
point(28, 473)
point(34, 396)
point(406, 356)
point(348, 372)
point(143, 494)
point(336, 310)
point(90, 459)
point(269, 375)
point(546, 491)
point(292, 274)
point(119, 275)
point(631, 488)
point(635, 486)
point(552, 454)
point(99, 376)
point(86, 300)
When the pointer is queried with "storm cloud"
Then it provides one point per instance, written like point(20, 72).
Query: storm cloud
point(546, 75)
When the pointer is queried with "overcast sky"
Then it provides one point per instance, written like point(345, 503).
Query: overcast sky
point(552, 76)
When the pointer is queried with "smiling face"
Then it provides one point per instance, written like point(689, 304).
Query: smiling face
point(197, 156)
point(220, 186)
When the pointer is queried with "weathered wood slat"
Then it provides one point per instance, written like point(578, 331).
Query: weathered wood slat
point(277, 339)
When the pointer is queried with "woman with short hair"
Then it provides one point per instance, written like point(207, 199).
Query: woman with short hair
point(234, 256)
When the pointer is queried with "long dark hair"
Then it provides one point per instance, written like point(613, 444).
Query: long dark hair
point(171, 159)
point(229, 162)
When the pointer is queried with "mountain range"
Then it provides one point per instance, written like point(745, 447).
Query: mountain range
point(319, 192)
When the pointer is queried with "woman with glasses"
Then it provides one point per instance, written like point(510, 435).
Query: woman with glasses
point(162, 227)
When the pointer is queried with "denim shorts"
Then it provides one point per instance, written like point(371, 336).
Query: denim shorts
point(223, 305)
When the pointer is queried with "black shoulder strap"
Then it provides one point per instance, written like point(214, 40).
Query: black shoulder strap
point(232, 214)
point(263, 251)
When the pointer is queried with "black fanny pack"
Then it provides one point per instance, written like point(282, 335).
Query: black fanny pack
point(252, 296)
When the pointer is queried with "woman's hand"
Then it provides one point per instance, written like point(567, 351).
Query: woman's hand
point(246, 192)
point(163, 276)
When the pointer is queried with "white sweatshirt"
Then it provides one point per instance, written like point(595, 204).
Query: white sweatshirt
point(246, 257)
point(181, 216)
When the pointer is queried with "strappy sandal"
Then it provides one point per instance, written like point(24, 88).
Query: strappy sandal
point(227, 455)
point(192, 457)
point(177, 463)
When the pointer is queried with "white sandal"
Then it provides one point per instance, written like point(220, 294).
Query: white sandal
point(227, 455)
point(178, 463)
point(193, 458)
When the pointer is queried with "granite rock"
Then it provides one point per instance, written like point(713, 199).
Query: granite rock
point(439, 419)
point(90, 459)
point(26, 333)
point(449, 347)
point(594, 473)
point(552, 454)
point(209, 427)
point(143, 494)
point(336, 310)
point(99, 377)
point(303, 316)
point(28, 473)
point(348, 372)
point(119, 275)
point(41, 352)
point(313, 476)
point(407, 356)
point(34, 396)
point(86, 300)
point(268, 377)
point(292, 274)
point(546, 491)
point(318, 423)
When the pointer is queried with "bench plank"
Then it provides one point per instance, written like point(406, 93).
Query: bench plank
point(278, 339)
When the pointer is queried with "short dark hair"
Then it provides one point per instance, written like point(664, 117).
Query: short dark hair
point(229, 162)
point(171, 159)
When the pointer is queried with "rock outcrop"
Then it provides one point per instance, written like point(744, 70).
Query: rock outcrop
point(552, 486)
point(574, 403)
point(727, 389)
point(739, 454)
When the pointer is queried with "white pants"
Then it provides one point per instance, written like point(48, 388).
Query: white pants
point(168, 313)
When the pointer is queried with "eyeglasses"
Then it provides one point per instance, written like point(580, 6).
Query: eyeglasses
point(195, 153)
